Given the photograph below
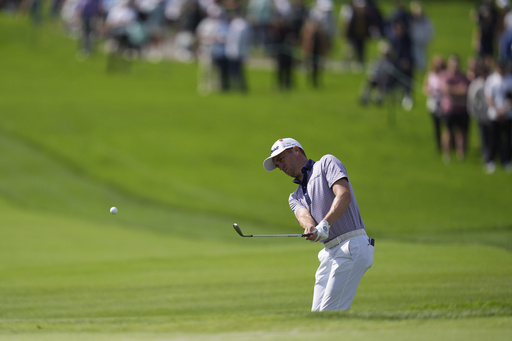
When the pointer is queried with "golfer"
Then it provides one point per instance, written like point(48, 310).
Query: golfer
point(325, 206)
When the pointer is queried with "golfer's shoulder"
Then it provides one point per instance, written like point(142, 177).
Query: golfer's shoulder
point(329, 164)
point(328, 159)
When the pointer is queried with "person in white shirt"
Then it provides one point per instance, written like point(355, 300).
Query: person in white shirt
point(206, 33)
point(238, 43)
point(496, 95)
point(500, 109)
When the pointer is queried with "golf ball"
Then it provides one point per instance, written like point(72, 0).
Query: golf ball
point(113, 210)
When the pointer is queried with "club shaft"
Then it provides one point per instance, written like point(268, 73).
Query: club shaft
point(239, 231)
point(276, 235)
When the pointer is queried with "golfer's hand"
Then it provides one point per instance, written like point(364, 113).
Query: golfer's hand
point(320, 232)
point(311, 230)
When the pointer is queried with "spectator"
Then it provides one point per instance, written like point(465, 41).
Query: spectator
point(89, 11)
point(505, 42)
point(498, 92)
point(502, 130)
point(185, 24)
point(357, 30)
point(486, 19)
point(421, 31)
point(220, 61)
point(315, 41)
point(261, 14)
point(471, 69)
point(191, 15)
point(432, 89)
point(298, 15)
point(151, 13)
point(206, 35)
point(491, 85)
point(503, 7)
point(376, 21)
point(478, 107)
point(400, 14)
point(290, 33)
point(401, 46)
point(454, 90)
point(321, 12)
point(172, 12)
point(70, 15)
point(380, 77)
point(283, 49)
point(119, 19)
point(237, 50)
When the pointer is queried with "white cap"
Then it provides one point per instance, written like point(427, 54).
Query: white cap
point(277, 148)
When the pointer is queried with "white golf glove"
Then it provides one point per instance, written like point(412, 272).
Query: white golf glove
point(322, 231)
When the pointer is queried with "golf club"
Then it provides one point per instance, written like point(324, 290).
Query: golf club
point(237, 229)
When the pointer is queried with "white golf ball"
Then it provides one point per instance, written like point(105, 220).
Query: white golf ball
point(113, 210)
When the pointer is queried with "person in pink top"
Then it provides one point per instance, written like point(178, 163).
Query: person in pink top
point(432, 89)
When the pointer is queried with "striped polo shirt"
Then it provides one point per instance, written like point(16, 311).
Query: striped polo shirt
point(315, 194)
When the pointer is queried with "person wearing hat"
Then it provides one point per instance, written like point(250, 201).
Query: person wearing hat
point(325, 207)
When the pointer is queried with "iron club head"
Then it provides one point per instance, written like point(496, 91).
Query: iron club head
point(237, 229)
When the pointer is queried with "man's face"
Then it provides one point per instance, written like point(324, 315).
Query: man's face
point(453, 64)
point(290, 162)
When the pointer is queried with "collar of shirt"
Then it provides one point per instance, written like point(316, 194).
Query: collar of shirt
point(307, 167)
point(305, 178)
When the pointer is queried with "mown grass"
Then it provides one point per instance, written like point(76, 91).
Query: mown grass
point(182, 168)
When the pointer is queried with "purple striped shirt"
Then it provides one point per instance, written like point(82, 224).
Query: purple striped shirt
point(321, 176)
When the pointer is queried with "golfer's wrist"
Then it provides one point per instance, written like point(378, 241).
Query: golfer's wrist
point(323, 223)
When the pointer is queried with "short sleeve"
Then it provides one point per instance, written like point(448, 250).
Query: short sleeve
point(333, 169)
point(295, 202)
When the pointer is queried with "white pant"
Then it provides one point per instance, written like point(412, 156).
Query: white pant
point(341, 268)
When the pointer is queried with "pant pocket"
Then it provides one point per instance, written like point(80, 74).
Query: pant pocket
point(322, 254)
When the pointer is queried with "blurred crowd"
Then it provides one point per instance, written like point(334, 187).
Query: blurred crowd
point(223, 35)
point(482, 93)
point(403, 41)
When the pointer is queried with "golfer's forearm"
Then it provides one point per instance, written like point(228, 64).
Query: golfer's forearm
point(305, 219)
point(338, 207)
point(342, 199)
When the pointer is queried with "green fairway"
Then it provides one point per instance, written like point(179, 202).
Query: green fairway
point(182, 168)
